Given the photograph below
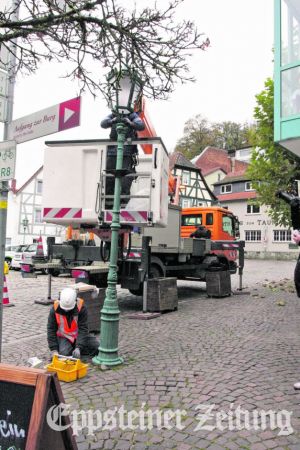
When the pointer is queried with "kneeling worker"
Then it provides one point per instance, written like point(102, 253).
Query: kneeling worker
point(67, 329)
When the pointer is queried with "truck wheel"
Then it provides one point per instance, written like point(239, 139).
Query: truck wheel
point(54, 272)
point(155, 271)
point(138, 291)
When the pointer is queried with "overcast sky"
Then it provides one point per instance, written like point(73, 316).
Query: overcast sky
point(229, 74)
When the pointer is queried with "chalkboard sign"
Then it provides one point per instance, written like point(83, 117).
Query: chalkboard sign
point(26, 395)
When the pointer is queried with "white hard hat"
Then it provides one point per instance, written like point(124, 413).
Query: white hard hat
point(67, 299)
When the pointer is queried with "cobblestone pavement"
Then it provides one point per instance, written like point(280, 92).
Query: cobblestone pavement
point(240, 351)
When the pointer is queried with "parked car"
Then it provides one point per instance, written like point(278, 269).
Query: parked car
point(11, 251)
point(18, 257)
point(28, 253)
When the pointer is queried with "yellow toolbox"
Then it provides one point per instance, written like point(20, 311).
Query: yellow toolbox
point(67, 368)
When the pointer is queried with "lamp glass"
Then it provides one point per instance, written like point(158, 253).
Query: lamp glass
point(124, 90)
point(124, 94)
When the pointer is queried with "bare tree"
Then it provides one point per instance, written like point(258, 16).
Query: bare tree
point(82, 31)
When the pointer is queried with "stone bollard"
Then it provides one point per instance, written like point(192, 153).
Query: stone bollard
point(162, 294)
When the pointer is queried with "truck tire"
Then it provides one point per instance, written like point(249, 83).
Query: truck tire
point(54, 272)
point(154, 272)
point(138, 291)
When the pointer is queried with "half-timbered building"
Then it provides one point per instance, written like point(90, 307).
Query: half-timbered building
point(194, 190)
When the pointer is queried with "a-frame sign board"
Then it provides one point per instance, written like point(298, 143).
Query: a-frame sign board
point(26, 395)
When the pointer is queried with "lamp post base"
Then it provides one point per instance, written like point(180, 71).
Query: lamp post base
point(109, 362)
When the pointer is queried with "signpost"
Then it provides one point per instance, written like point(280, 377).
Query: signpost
point(51, 120)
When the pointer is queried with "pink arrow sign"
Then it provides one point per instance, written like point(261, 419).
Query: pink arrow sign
point(69, 114)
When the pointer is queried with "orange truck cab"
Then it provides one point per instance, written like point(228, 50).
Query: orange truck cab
point(221, 222)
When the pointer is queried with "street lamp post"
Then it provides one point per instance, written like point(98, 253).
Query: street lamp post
point(25, 225)
point(126, 89)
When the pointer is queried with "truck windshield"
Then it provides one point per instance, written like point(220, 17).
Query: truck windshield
point(191, 219)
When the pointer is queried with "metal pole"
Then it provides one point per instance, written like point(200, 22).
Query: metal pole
point(49, 285)
point(145, 263)
point(4, 185)
point(241, 263)
point(108, 350)
point(3, 209)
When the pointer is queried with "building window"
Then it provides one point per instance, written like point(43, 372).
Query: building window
point(253, 209)
point(253, 235)
point(186, 177)
point(37, 216)
point(39, 186)
point(185, 203)
point(282, 235)
point(248, 186)
point(290, 31)
point(225, 188)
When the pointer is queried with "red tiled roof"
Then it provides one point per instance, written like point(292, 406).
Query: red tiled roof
point(213, 158)
point(236, 196)
point(177, 158)
point(213, 169)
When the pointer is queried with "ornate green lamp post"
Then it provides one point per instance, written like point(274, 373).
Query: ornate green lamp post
point(125, 90)
point(25, 223)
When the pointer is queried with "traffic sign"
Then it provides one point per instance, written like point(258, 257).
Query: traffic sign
point(3, 104)
point(4, 57)
point(8, 150)
point(56, 118)
point(3, 83)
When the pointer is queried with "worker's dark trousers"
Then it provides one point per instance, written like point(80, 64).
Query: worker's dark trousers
point(65, 347)
point(126, 182)
point(297, 277)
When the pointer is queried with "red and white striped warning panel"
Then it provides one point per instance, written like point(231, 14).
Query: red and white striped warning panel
point(62, 213)
point(134, 255)
point(129, 216)
point(230, 245)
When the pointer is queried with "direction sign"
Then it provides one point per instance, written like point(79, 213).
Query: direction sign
point(59, 117)
point(3, 104)
point(4, 57)
point(3, 83)
point(8, 151)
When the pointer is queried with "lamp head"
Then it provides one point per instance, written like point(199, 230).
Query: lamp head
point(125, 90)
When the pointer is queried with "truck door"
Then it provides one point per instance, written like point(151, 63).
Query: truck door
point(228, 227)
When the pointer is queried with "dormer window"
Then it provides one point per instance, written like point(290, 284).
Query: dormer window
point(248, 186)
point(226, 188)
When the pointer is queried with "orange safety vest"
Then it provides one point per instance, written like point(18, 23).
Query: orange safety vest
point(64, 330)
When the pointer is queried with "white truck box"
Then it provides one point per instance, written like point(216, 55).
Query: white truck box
point(74, 185)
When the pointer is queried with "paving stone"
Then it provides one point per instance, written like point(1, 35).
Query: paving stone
point(123, 445)
point(97, 445)
point(235, 351)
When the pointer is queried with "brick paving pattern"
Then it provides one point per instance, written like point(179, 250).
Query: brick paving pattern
point(240, 351)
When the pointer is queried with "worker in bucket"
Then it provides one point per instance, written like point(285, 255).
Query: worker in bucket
point(67, 329)
point(133, 124)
